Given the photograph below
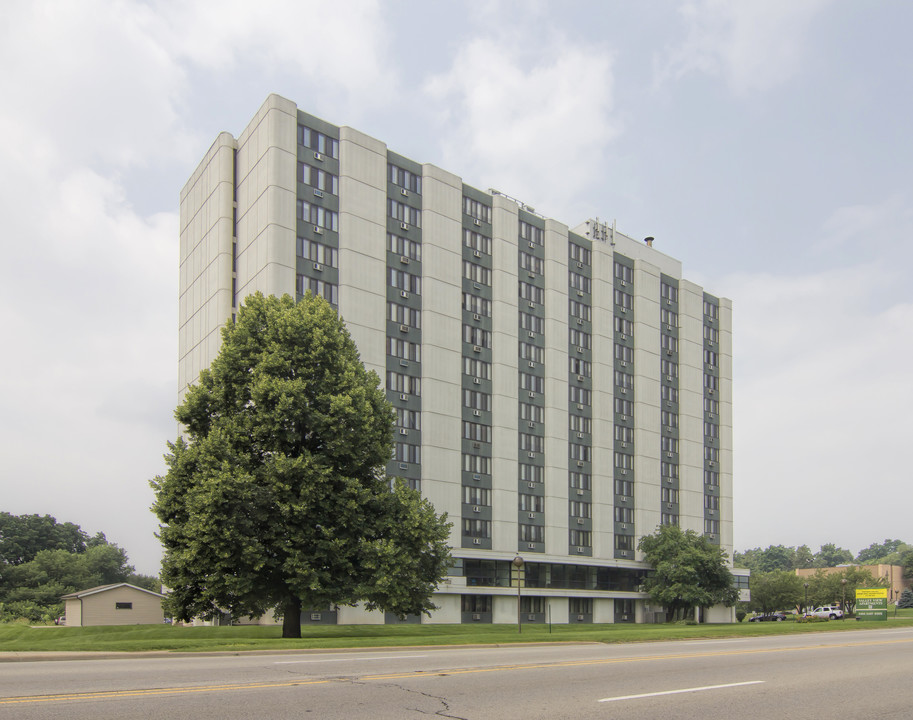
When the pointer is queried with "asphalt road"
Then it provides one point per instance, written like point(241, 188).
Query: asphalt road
point(800, 677)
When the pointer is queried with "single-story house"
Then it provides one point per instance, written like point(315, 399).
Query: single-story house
point(118, 604)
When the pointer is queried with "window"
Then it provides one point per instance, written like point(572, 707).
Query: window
point(123, 606)
point(623, 299)
point(532, 383)
point(476, 210)
point(318, 179)
point(712, 527)
point(403, 315)
point(531, 263)
point(711, 334)
point(668, 518)
point(711, 358)
point(476, 273)
point(580, 606)
point(579, 424)
point(531, 443)
point(711, 454)
point(405, 179)
point(476, 528)
point(625, 488)
point(624, 380)
point(668, 368)
point(531, 352)
point(477, 432)
point(532, 413)
point(404, 213)
point(317, 288)
point(579, 310)
point(408, 419)
point(624, 353)
point(405, 281)
point(404, 350)
point(577, 366)
point(669, 419)
point(475, 603)
point(624, 542)
point(531, 233)
point(318, 142)
point(477, 368)
point(476, 305)
point(476, 496)
point(711, 382)
point(405, 452)
point(579, 338)
point(531, 503)
point(476, 241)
point(579, 509)
point(668, 292)
point(403, 247)
point(531, 473)
point(316, 252)
point(532, 533)
point(711, 477)
point(623, 461)
point(624, 434)
point(476, 464)
point(667, 317)
point(623, 326)
point(624, 273)
point(711, 430)
point(669, 444)
point(669, 471)
point(476, 400)
point(581, 453)
point(711, 405)
point(669, 343)
point(711, 502)
point(397, 382)
point(317, 215)
point(477, 336)
point(623, 407)
point(669, 394)
point(669, 495)
point(579, 481)
point(531, 293)
point(576, 253)
point(531, 323)
point(578, 281)
point(711, 310)
point(624, 514)
point(580, 538)
point(578, 395)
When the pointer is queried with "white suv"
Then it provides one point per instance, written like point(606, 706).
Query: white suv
point(830, 612)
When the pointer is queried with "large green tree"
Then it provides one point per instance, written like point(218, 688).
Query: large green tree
point(776, 590)
point(22, 537)
point(278, 497)
point(688, 571)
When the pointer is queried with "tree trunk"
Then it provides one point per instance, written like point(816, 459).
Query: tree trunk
point(291, 618)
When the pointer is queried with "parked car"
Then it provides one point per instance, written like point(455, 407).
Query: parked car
point(771, 617)
point(829, 612)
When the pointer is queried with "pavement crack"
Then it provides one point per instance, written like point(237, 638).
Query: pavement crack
point(444, 712)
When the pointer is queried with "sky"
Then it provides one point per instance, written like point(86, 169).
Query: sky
point(767, 145)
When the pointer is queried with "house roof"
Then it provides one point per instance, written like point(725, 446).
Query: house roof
point(105, 588)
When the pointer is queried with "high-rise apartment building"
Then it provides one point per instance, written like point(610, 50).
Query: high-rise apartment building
point(559, 392)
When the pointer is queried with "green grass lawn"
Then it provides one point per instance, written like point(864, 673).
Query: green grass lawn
point(133, 638)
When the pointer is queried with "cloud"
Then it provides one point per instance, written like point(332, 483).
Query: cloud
point(521, 120)
point(752, 46)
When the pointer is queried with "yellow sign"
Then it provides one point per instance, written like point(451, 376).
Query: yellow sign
point(871, 593)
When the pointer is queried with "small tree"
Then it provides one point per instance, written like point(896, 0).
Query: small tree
point(278, 498)
point(688, 571)
point(775, 591)
point(906, 599)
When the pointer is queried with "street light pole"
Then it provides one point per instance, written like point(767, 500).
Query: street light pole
point(843, 604)
point(518, 563)
point(806, 600)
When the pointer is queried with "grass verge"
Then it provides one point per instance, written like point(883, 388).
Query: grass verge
point(138, 638)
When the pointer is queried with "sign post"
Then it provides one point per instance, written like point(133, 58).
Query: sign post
point(872, 604)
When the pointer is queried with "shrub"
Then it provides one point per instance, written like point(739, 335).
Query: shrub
point(740, 615)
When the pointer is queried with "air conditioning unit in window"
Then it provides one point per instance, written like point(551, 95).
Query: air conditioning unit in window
point(532, 364)
point(580, 407)
point(476, 541)
point(476, 381)
point(404, 328)
point(318, 156)
point(476, 616)
point(532, 516)
point(580, 550)
point(580, 492)
point(579, 321)
point(404, 260)
point(403, 466)
point(532, 304)
point(476, 253)
point(580, 435)
point(476, 316)
point(404, 226)
point(318, 267)
point(532, 455)
point(624, 526)
point(580, 521)
point(477, 413)
point(403, 294)
point(403, 396)
point(404, 192)
point(531, 546)
point(477, 348)
point(580, 378)
point(669, 505)
point(711, 512)
point(624, 391)
point(579, 349)
point(532, 334)
point(318, 230)
point(624, 311)
point(476, 445)
point(624, 472)
point(476, 222)
point(476, 477)
point(580, 264)
point(623, 364)
point(476, 508)
point(404, 363)
point(532, 244)
point(580, 293)
point(624, 445)
point(710, 391)
point(668, 454)
point(532, 484)
point(403, 431)
point(580, 463)
point(318, 193)
point(531, 424)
